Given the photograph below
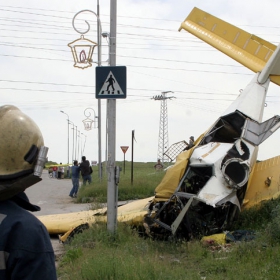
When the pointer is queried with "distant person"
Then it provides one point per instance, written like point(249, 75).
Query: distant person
point(54, 171)
point(62, 172)
point(158, 166)
point(85, 170)
point(25, 248)
point(75, 179)
point(68, 171)
point(59, 172)
point(190, 144)
point(50, 170)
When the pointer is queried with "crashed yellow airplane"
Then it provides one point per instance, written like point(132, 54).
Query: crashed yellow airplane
point(208, 186)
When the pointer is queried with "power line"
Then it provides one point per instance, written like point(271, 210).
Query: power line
point(135, 66)
point(133, 89)
point(120, 16)
point(142, 36)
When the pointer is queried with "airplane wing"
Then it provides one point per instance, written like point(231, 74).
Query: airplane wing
point(264, 183)
point(248, 49)
point(65, 224)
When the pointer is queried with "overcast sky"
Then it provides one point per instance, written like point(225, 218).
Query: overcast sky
point(37, 73)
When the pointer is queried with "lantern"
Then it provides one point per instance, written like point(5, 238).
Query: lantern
point(82, 51)
point(88, 123)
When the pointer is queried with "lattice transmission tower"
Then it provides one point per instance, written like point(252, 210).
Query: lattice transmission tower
point(163, 125)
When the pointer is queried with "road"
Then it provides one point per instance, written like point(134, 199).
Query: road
point(52, 195)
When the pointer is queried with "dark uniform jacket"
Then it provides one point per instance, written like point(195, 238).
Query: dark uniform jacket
point(85, 168)
point(25, 248)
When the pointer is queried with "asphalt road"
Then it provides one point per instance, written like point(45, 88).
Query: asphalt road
point(52, 195)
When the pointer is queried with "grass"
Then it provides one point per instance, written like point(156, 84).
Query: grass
point(98, 254)
point(137, 185)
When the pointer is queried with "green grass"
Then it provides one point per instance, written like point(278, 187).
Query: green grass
point(137, 185)
point(95, 254)
point(98, 254)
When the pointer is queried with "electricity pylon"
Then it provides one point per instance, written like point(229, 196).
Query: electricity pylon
point(163, 126)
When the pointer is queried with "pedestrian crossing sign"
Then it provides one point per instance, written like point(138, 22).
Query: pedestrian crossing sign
point(110, 82)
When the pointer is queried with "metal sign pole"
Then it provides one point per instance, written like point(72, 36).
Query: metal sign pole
point(124, 149)
point(112, 191)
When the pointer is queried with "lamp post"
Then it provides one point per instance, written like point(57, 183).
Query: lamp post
point(90, 123)
point(76, 143)
point(73, 140)
point(112, 190)
point(112, 170)
point(78, 149)
point(68, 135)
point(82, 51)
point(74, 152)
point(74, 128)
point(106, 35)
point(83, 147)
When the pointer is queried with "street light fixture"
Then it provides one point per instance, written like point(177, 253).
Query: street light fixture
point(73, 141)
point(82, 51)
point(83, 58)
point(74, 148)
point(68, 134)
point(83, 149)
point(112, 169)
point(88, 121)
point(79, 49)
point(79, 139)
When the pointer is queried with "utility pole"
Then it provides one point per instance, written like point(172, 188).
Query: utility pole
point(163, 125)
point(112, 190)
point(68, 135)
point(99, 100)
point(76, 143)
point(132, 155)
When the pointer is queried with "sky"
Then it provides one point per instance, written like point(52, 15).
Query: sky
point(37, 73)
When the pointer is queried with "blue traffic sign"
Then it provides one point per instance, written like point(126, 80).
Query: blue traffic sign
point(110, 82)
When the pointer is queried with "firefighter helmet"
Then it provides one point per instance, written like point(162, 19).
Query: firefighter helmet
point(20, 141)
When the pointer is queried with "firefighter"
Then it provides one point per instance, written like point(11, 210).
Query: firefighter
point(25, 248)
point(190, 144)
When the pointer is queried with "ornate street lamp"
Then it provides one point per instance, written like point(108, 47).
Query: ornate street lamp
point(82, 51)
point(88, 122)
point(112, 199)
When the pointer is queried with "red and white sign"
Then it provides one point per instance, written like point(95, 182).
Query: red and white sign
point(124, 148)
